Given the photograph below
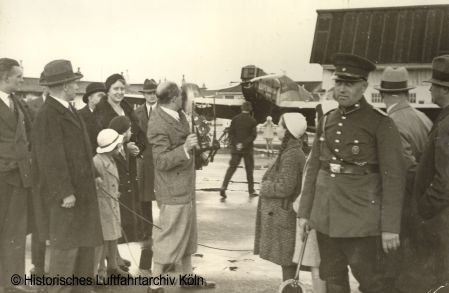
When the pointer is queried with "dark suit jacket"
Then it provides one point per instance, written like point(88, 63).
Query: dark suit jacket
point(243, 129)
point(92, 126)
point(62, 165)
point(174, 171)
point(145, 166)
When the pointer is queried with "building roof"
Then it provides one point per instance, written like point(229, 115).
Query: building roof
point(408, 34)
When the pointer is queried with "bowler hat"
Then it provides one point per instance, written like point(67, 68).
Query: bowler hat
point(149, 86)
point(440, 71)
point(394, 80)
point(58, 72)
point(352, 67)
point(93, 88)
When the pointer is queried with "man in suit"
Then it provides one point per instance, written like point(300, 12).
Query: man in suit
point(242, 133)
point(145, 171)
point(173, 145)
point(95, 91)
point(15, 175)
point(64, 180)
point(431, 196)
point(353, 184)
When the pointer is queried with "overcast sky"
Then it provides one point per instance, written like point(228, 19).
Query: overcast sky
point(207, 40)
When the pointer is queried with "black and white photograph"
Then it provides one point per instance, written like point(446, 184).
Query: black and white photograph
point(224, 146)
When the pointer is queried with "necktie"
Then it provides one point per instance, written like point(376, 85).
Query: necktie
point(149, 112)
point(72, 107)
point(11, 103)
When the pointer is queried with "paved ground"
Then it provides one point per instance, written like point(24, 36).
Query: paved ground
point(230, 225)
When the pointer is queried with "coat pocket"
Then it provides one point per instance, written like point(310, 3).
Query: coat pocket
point(285, 218)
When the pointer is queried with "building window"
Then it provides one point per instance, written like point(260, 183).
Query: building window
point(376, 98)
point(229, 97)
point(412, 97)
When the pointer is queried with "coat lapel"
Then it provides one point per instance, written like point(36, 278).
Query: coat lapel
point(182, 125)
point(7, 115)
point(107, 164)
point(66, 113)
point(399, 106)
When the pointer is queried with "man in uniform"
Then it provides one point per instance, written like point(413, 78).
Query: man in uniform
point(145, 171)
point(431, 196)
point(353, 185)
point(15, 179)
point(242, 133)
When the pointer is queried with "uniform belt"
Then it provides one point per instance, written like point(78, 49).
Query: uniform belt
point(349, 168)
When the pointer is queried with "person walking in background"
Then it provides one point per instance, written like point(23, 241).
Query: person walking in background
point(63, 178)
point(108, 194)
point(281, 183)
point(353, 184)
point(268, 134)
point(242, 133)
point(145, 172)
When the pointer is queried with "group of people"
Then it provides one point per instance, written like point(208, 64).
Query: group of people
point(373, 194)
point(84, 181)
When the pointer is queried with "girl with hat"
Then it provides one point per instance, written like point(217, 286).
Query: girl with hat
point(276, 219)
point(108, 193)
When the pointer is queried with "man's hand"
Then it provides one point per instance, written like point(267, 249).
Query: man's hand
point(239, 146)
point(303, 227)
point(132, 148)
point(390, 241)
point(68, 202)
point(191, 142)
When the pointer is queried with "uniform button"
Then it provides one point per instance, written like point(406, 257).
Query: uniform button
point(356, 141)
point(334, 158)
point(373, 201)
point(340, 124)
point(337, 141)
point(338, 132)
point(343, 117)
point(321, 138)
point(336, 150)
point(129, 181)
point(333, 175)
point(357, 105)
point(129, 190)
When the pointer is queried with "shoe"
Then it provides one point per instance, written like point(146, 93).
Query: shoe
point(223, 193)
point(37, 271)
point(158, 290)
point(124, 268)
point(208, 285)
point(118, 271)
point(253, 194)
point(21, 289)
point(126, 262)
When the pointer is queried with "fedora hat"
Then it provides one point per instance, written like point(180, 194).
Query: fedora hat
point(58, 72)
point(149, 86)
point(394, 80)
point(440, 71)
point(352, 67)
point(107, 140)
point(93, 88)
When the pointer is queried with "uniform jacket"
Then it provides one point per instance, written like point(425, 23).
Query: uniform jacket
point(15, 153)
point(413, 127)
point(355, 205)
point(243, 129)
point(145, 166)
point(62, 165)
point(174, 171)
point(276, 219)
point(91, 124)
point(432, 175)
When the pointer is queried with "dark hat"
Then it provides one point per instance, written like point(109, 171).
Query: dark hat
point(120, 124)
point(352, 67)
point(440, 71)
point(58, 72)
point(93, 88)
point(149, 86)
point(394, 80)
point(247, 106)
point(111, 80)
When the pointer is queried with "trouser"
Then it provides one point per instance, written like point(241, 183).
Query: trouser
point(79, 262)
point(248, 158)
point(146, 256)
point(13, 228)
point(363, 255)
point(288, 272)
point(38, 249)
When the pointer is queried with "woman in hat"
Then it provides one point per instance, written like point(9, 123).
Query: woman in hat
point(111, 106)
point(276, 219)
point(108, 193)
point(268, 134)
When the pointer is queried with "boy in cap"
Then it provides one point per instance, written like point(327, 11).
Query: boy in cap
point(353, 184)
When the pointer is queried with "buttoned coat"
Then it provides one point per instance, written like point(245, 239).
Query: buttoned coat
point(174, 171)
point(276, 219)
point(62, 166)
point(108, 195)
point(243, 129)
point(145, 166)
point(91, 125)
point(353, 205)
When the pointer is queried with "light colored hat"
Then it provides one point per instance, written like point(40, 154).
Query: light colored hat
point(394, 80)
point(107, 140)
point(295, 123)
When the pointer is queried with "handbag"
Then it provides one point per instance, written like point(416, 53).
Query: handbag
point(295, 285)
